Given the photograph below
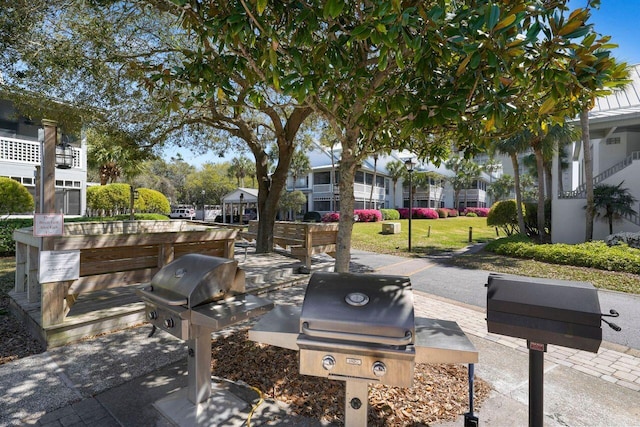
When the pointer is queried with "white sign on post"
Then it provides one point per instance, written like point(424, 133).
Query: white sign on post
point(48, 225)
point(59, 266)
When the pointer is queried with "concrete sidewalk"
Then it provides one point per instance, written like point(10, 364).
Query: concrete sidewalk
point(114, 380)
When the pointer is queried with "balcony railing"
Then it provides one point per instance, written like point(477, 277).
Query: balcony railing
point(28, 152)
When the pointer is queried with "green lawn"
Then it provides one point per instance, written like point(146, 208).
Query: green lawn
point(450, 234)
point(428, 236)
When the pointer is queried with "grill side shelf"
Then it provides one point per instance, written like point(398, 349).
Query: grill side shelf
point(442, 341)
point(280, 327)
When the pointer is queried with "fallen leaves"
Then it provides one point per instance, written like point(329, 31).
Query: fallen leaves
point(439, 392)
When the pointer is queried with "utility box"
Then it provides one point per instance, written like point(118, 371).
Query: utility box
point(390, 228)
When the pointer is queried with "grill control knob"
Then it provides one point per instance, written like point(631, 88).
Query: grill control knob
point(153, 315)
point(328, 362)
point(168, 323)
point(379, 369)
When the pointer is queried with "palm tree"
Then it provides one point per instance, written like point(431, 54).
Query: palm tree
point(375, 177)
point(611, 202)
point(396, 170)
point(544, 145)
point(465, 172)
point(239, 169)
point(512, 147)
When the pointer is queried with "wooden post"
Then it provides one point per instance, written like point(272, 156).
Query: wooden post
point(470, 234)
point(22, 258)
point(429, 232)
point(52, 295)
point(33, 285)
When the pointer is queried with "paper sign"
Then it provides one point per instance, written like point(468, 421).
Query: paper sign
point(59, 266)
point(48, 225)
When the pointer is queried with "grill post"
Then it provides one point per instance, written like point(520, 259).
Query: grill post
point(356, 404)
point(536, 383)
point(199, 364)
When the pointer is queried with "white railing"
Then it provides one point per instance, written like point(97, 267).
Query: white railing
point(581, 191)
point(28, 152)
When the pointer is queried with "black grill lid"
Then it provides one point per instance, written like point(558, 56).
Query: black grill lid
point(561, 300)
point(362, 305)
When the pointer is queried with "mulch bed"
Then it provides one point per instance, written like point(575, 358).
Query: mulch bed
point(439, 392)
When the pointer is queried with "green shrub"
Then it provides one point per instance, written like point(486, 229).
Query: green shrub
point(472, 214)
point(7, 244)
point(594, 254)
point(14, 197)
point(151, 201)
point(442, 213)
point(389, 214)
point(110, 199)
point(504, 214)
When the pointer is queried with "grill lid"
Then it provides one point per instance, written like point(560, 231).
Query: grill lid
point(358, 307)
point(560, 300)
point(194, 279)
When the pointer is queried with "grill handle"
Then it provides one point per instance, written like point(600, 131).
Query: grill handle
point(345, 336)
point(148, 293)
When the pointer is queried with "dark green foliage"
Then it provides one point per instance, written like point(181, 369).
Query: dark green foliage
point(14, 197)
point(504, 214)
point(612, 202)
point(389, 214)
point(594, 254)
point(7, 244)
point(531, 217)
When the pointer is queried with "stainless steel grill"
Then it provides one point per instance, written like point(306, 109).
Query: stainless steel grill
point(194, 296)
point(361, 329)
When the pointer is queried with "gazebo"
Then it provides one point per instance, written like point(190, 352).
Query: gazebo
point(234, 204)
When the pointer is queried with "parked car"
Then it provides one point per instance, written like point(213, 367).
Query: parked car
point(182, 213)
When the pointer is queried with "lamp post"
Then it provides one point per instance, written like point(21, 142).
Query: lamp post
point(409, 165)
point(203, 210)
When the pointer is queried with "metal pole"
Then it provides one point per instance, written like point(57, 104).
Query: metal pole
point(410, 205)
point(536, 387)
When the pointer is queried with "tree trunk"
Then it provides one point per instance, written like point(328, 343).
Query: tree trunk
point(588, 173)
point(542, 234)
point(347, 170)
point(516, 180)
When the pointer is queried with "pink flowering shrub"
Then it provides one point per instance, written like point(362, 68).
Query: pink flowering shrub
point(360, 215)
point(331, 217)
point(452, 212)
point(367, 215)
point(418, 213)
point(482, 212)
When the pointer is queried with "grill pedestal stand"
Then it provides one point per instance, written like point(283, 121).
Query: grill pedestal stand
point(356, 404)
point(199, 365)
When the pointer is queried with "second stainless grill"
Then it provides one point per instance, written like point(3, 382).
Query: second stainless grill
point(361, 329)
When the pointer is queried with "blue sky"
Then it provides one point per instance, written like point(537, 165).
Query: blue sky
point(619, 19)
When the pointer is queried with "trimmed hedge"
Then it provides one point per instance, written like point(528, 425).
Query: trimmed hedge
point(594, 254)
point(481, 212)
point(7, 244)
point(389, 214)
point(418, 213)
point(368, 215)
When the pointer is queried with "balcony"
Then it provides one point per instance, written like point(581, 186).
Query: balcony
point(28, 152)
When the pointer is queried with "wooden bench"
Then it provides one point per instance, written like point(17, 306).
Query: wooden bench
point(303, 239)
point(115, 259)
